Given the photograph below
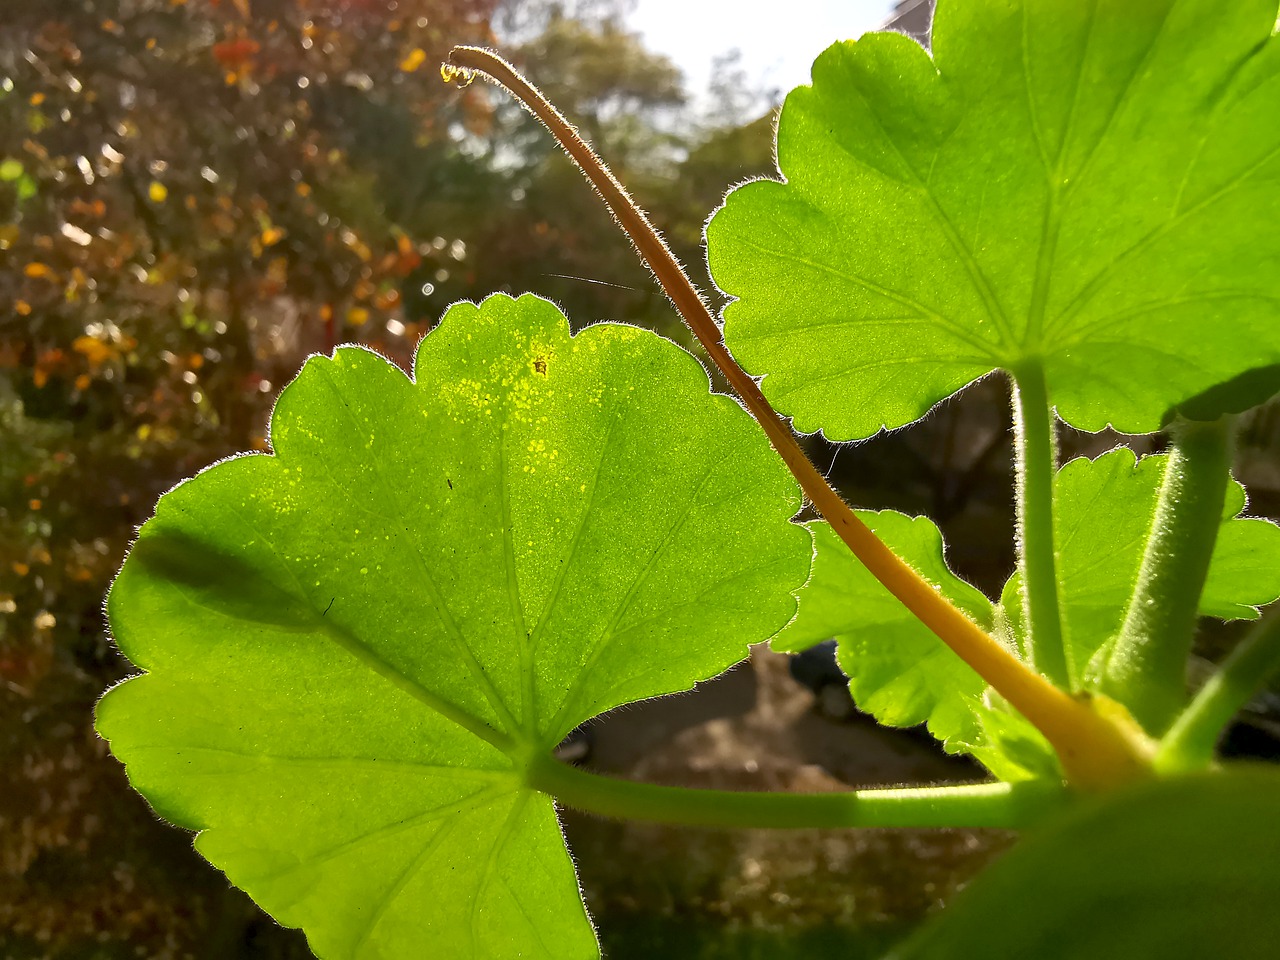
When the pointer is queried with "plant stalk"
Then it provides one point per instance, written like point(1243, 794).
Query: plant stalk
point(1146, 668)
point(1093, 751)
point(1190, 742)
point(1007, 806)
point(1037, 459)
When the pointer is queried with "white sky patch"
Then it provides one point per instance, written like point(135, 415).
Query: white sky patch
point(778, 44)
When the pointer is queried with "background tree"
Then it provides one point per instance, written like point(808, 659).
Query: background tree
point(182, 221)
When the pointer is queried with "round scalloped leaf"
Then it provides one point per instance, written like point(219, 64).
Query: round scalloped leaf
point(354, 645)
point(1090, 187)
point(1182, 868)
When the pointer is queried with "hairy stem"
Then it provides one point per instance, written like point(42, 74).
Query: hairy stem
point(1001, 805)
point(1093, 751)
point(1146, 668)
point(1190, 742)
point(1037, 458)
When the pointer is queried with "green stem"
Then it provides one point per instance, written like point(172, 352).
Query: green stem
point(1190, 742)
point(1000, 805)
point(1037, 550)
point(1146, 668)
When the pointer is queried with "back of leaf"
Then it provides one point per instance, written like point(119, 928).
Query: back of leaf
point(1086, 188)
point(355, 646)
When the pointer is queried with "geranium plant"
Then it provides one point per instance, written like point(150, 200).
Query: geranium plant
point(360, 650)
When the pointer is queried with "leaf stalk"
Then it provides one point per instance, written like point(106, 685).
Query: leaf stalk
point(1146, 668)
point(1190, 742)
point(1037, 459)
point(1093, 751)
point(1006, 806)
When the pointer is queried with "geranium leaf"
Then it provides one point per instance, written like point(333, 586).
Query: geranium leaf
point(1174, 868)
point(1244, 573)
point(354, 646)
point(1104, 511)
point(1086, 187)
point(898, 670)
point(1009, 745)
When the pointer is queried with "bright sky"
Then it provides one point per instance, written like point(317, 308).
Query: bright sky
point(778, 45)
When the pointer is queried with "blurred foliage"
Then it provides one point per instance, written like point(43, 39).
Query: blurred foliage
point(181, 224)
point(194, 195)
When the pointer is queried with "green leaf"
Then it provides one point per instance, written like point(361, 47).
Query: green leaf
point(1175, 868)
point(1009, 745)
point(898, 670)
point(353, 647)
point(1104, 510)
point(1089, 187)
point(1244, 573)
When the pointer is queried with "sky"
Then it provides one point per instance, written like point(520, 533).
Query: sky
point(776, 50)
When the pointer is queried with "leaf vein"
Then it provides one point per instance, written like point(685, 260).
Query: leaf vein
point(953, 328)
point(608, 636)
point(977, 277)
point(523, 649)
point(480, 797)
point(1091, 289)
point(562, 577)
point(491, 860)
point(466, 654)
